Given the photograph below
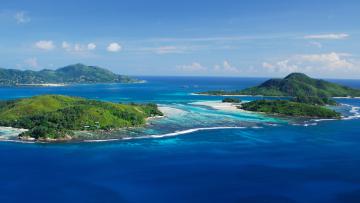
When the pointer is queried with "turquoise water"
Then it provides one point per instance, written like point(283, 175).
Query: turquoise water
point(195, 154)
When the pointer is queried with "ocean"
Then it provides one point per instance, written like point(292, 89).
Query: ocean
point(196, 154)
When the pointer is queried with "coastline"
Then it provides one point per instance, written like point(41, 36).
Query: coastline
point(26, 139)
point(153, 118)
point(68, 84)
point(236, 95)
point(168, 111)
point(223, 106)
point(233, 107)
point(11, 133)
point(44, 85)
point(244, 95)
point(225, 95)
point(172, 134)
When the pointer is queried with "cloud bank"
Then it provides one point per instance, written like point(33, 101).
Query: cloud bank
point(45, 45)
point(327, 36)
point(114, 47)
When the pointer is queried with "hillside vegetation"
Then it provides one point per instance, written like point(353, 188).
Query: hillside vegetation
point(231, 100)
point(289, 108)
point(56, 116)
point(298, 85)
point(77, 73)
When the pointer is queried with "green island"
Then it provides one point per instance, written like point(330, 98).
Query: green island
point(72, 74)
point(299, 86)
point(231, 100)
point(289, 108)
point(56, 117)
point(307, 96)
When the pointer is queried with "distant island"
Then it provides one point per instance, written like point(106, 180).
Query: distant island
point(72, 74)
point(298, 86)
point(56, 117)
point(306, 96)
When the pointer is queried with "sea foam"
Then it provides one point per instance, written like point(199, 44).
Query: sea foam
point(176, 133)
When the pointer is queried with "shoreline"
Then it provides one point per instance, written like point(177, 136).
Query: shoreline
point(167, 111)
point(224, 106)
point(218, 105)
point(11, 133)
point(26, 139)
point(235, 95)
point(67, 84)
point(153, 118)
point(233, 107)
point(43, 85)
point(170, 134)
point(244, 95)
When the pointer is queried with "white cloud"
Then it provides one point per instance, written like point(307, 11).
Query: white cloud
point(327, 36)
point(77, 47)
point(21, 17)
point(65, 45)
point(330, 64)
point(267, 65)
point(195, 67)
point(225, 68)
point(31, 62)
point(332, 60)
point(45, 45)
point(91, 46)
point(286, 66)
point(228, 67)
point(114, 47)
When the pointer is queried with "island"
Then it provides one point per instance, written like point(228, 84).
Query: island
point(56, 117)
point(72, 74)
point(231, 100)
point(297, 94)
point(289, 108)
point(298, 86)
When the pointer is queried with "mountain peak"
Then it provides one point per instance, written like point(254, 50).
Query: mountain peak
point(297, 76)
point(74, 66)
point(76, 73)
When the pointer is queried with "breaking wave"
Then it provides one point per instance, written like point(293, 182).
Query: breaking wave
point(176, 133)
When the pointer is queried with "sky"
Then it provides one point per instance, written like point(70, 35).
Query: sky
point(239, 38)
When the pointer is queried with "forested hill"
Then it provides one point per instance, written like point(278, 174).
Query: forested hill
point(77, 73)
point(294, 85)
point(57, 116)
point(289, 108)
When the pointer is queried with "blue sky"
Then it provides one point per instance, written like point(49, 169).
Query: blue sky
point(209, 38)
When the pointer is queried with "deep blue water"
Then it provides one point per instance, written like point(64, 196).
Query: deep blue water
point(282, 163)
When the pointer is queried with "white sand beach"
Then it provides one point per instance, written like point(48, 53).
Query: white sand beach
point(7, 133)
point(44, 85)
point(219, 105)
point(171, 112)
